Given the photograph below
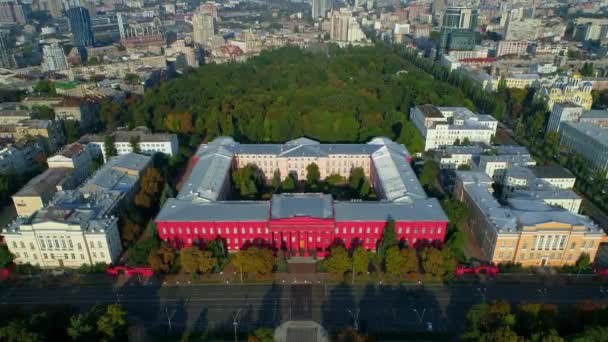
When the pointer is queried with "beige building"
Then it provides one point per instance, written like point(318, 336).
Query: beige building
point(527, 231)
point(74, 230)
point(37, 193)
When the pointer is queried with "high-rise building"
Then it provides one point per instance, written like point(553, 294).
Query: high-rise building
point(7, 60)
point(11, 13)
point(53, 58)
point(80, 25)
point(458, 30)
point(320, 8)
point(203, 27)
point(344, 27)
point(54, 7)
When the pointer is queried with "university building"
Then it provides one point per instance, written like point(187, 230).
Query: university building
point(303, 223)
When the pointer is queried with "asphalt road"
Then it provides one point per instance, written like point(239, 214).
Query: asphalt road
point(385, 308)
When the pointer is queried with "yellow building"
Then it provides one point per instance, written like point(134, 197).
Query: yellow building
point(566, 89)
point(529, 231)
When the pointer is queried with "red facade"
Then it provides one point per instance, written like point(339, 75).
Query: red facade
point(298, 234)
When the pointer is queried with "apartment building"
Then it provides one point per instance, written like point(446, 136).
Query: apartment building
point(526, 231)
point(511, 47)
point(570, 112)
point(443, 126)
point(148, 143)
point(21, 157)
point(588, 140)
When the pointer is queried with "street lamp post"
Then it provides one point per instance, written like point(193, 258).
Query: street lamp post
point(420, 317)
point(169, 318)
point(355, 317)
point(235, 323)
point(482, 293)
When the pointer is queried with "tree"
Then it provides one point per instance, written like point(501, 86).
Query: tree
point(248, 180)
point(196, 261)
point(429, 173)
point(360, 260)
point(151, 184)
point(394, 262)
point(6, 257)
point(588, 70)
point(276, 181)
point(108, 145)
point(138, 254)
point(134, 142)
point(132, 78)
point(432, 261)
point(289, 184)
point(129, 231)
point(18, 331)
point(583, 262)
point(338, 261)
point(254, 260)
point(312, 174)
point(281, 262)
point(218, 250)
point(356, 179)
point(410, 264)
point(389, 239)
point(42, 113)
point(349, 334)
point(80, 328)
point(262, 335)
point(45, 87)
point(161, 259)
point(113, 322)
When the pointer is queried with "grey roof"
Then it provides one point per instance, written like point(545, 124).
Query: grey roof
point(185, 210)
point(301, 205)
point(552, 171)
point(511, 149)
point(595, 114)
point(45, 182)
point(120, 173)
point(472, 149)
point(420, 210)
point(600, 135)
point(209, 175)
point(395, 174)
point(126, 136)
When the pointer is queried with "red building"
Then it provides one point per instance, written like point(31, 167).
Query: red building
point(303, 223)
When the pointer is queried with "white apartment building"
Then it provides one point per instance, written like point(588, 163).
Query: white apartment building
point(73, 231)
point(511, 47)
point(443, 126)
point(570, 112)
point(53, 58)
point(149, 143)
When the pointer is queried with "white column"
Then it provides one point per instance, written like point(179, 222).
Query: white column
point(538, 237)
point(546, 244)
point(552, 241)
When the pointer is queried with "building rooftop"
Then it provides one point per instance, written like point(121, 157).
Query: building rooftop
point(285, 206)
point(551, 171)
point(222, 211)
point(600, 135)
point(45, 182)
point(120, 174)
point(595, 114)
point(421, 210)
point(72, 150)
point(144, 135)
point(430, 111)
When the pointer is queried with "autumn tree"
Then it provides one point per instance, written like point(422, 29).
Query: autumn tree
point(360, 260)
point(134, 142)
point(432, 261)
point(254, 260)
point(150, 186)
point(129, 231)
point(194, 260)
point(161, 259)
point(410, 264)
point(338, 261)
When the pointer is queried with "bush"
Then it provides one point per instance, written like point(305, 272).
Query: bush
point(27, 269)
point(95, 268)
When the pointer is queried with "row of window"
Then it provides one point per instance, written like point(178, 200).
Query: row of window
point(52, 256)
point(258, 230)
